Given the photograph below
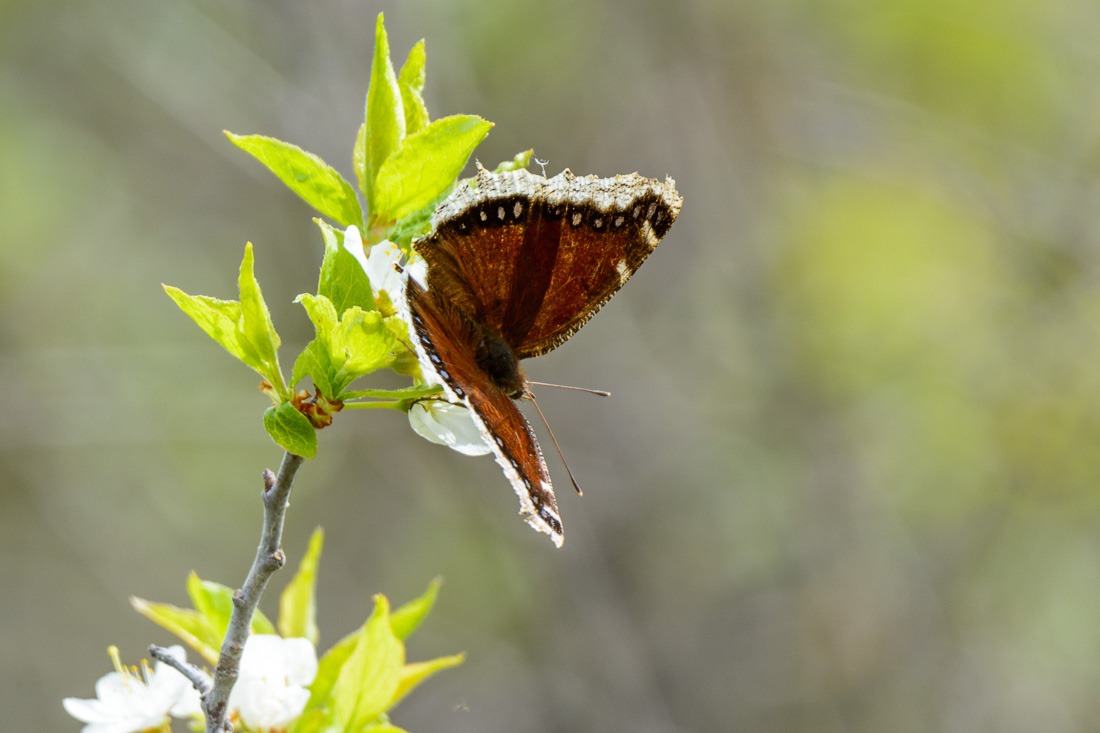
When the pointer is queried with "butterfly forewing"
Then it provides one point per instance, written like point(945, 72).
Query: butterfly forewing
point(596, 252)
point(533, 259)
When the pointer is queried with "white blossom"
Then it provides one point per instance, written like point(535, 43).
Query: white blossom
point(381, 264)
point(271, 691)
point(127, 702)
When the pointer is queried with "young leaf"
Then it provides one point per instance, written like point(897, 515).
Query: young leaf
point(385, 116)
point(317, 359)
point(322, 312)
point(413, 674)
point(214, 602)
point(256, 333)
point(384, 727)
point(342, 280)
point(346, 348)
point(411, 83)
point(291, 430)
point(517, 163)
point(359, 161)
point(218, 318)
point(317, 183)
point(366, 343)
point(425, 164)
point(328, 671)
point(243, 328)
point(416, 224)
point(315, 362)
point(370, 676)
point(189, 625)
point(298, 604)
point(313, 721)
point(409, 616)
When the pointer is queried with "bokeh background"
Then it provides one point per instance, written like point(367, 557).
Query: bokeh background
point(847, 482)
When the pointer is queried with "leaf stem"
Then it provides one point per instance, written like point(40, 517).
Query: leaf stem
point(269, 558)
point(394, 405)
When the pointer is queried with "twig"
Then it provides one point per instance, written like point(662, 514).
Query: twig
point(196, 676)
point(269, 558)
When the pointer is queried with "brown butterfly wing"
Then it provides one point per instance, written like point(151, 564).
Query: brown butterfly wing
point(533, 259)
point(445, 341)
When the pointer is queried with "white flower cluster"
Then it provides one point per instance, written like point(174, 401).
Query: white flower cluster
point(271, 691)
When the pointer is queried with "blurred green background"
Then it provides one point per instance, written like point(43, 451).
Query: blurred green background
point(848, 479)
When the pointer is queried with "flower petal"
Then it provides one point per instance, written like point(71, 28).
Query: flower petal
point(263, 705)
point(447, 424)
point(269, 692)
point(353, 243)
point(126, 703)
point(380, 269)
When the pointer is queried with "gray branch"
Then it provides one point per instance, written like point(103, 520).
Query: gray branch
point(269, 558)
point(196, 676)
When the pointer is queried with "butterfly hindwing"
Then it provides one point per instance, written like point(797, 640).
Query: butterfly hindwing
point(446, 346)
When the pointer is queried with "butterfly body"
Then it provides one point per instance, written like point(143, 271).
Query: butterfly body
point(515, 267)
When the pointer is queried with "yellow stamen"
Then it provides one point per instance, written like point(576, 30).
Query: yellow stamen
point(112, 652)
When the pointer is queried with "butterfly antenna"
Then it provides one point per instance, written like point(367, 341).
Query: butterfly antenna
point(597, 392)
point(555, 441)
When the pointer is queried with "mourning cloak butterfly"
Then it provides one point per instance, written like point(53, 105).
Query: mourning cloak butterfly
point(515, 267)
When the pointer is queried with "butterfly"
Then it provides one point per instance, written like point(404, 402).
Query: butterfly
point(515, 266)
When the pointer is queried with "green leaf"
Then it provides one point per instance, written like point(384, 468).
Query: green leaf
point(317, 359)
point(261, 624)
point(312, 721)
point(291, 430)
point(425, 164)
point(244, 328)
point(298, 603)
point(214, 602)
point(342, 280)
point(346, 348)
point(317, 183)
point(366, 343)
point(385, 116)
point(256, 332)
point(413, 674)
point(386, 727)
point(359, 161)
point(315, 362)
point(189, 625)
point(322, 312)
point(328, 671)
point(409, 616)
point(411, 83)
point(218, 318)
point(517, 163)
point(370, 677)
point(415, 225)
